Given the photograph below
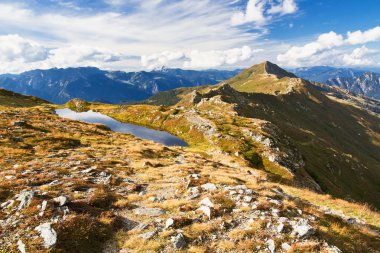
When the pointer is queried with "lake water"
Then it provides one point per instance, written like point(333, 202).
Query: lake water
point(138, 131)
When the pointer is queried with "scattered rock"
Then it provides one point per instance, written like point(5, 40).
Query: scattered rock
point(271, 245)
point(302, 228)
point(25, 199)
point(48, 234)
point(332, 249)
point(206, 202)
point(169, 222)
point(20, 123)
point(280, 227)
point(179, 241)
point(206, 210)
point(351, 221)
point(209, 187)
point(148, 235)
point(149, 211)
point(285, 246)
point(21, 246)
point(43, 208)
point(61, 200)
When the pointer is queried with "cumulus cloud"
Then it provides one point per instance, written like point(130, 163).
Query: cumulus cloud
point(324, 41)
point(15, 48)
point(18, 54)
point(358, 57)
point(260, 12)
point(325, 45)
point(81, 55)
point(199, 59)
point(359, 37)
point(285, 7)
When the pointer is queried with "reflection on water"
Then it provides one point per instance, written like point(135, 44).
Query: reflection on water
point(139, 131)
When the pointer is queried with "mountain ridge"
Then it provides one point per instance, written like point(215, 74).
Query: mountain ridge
point(358, 81)
point(314, 118)
point(59, 85)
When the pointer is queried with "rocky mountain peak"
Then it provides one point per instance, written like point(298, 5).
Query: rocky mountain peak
point(273, 69)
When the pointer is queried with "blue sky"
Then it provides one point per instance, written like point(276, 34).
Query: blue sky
point(194, 34)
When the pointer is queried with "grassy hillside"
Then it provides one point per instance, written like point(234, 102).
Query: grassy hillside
point(338, 141)
point(11, 99)
point(94, 190)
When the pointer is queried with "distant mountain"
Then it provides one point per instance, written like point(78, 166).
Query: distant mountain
point(92, 84)
point(357, 81)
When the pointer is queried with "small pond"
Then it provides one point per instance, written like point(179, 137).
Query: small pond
point(138, 131)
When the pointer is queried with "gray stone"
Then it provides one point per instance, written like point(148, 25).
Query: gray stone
point(280, 227)
point(21, 246)
point(43, 208)
point(61, 200)
point(271, 245)
point(169, 222)
point(351, 221)
point(25, 199)
point(48, 234)
point(148, 235)
point(303, 229)
point(149, 211)
point(179, 241)
point(206, 210)
point(285, 246)
point(247, 199)
point(208, 187)
point(206, 202)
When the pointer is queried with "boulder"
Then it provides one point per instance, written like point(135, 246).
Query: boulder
point(208, 187)
point(25, 199)
point(285, 246)
point(302, 228)
point(169, 222)
point(21, 246)
point(271, 245)
point(206, 202)
point(61, 200)
point(148, 235)
point(48, 234)
point(179, 241)
point(206, 210)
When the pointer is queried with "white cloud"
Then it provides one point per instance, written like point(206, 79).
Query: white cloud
point(296, 54)
point(260, 12)
point(160, 59)
point(358, 57)
point(20, 54)
point(359, 37)
point(200, 59)
point(285, 7)
point(254, 13)
point(15, 48)
point(312, 53)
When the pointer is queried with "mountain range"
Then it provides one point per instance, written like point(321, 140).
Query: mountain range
point(313, 130)
point(358, 81)
point(59, 85)
point(275, 163)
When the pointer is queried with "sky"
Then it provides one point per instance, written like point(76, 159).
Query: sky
point(134, 35)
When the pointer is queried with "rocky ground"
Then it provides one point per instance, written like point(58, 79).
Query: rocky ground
point(68, 186)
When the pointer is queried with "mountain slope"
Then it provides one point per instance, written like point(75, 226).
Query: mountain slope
point(284, 124)
point(357, 81)
point(92, 84)
point(11, 99)
point(68, 186)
